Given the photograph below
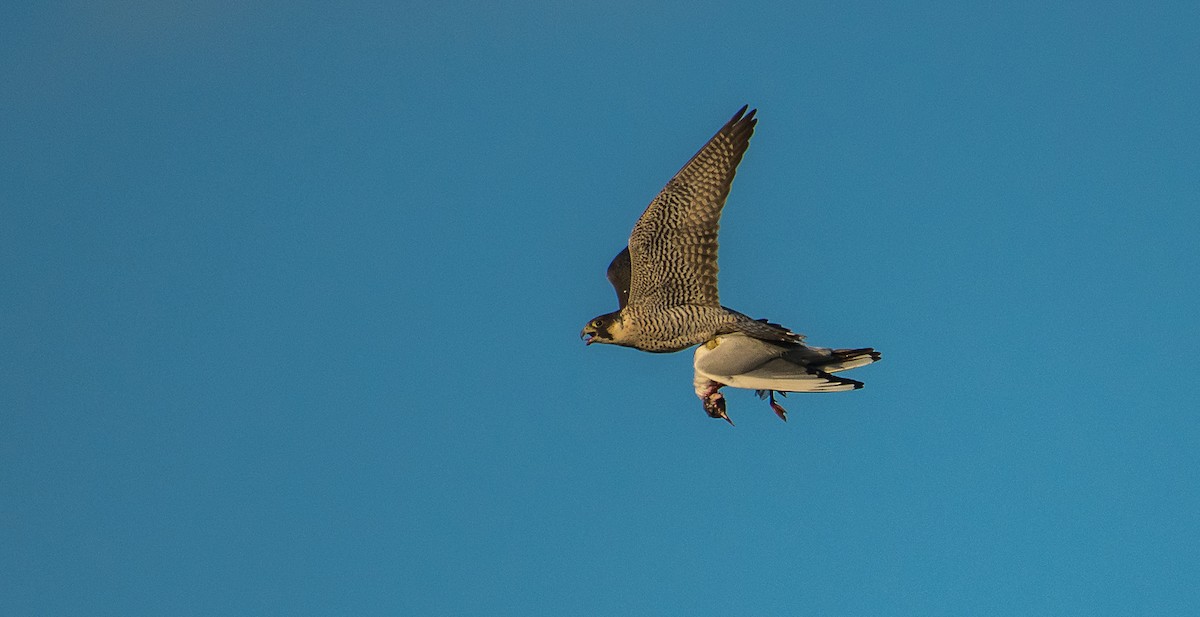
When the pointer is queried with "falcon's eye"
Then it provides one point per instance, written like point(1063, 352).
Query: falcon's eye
point(596, 324)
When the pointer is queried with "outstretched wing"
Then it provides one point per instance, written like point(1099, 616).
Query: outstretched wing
point(673, 247)
point(618, 275)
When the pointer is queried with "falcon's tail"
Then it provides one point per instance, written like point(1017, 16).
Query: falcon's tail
point(762, 329)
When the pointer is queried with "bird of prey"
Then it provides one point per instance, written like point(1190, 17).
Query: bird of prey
point(666, 277)
point(741, 361)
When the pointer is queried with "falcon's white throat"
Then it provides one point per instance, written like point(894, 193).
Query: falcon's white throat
point(617, 329)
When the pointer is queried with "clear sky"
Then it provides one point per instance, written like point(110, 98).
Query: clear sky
point(292, 294)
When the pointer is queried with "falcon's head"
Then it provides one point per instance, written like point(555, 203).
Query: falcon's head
point(603, 329)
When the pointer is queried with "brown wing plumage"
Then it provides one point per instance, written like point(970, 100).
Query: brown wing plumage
point(618, 275)
point(673, 247)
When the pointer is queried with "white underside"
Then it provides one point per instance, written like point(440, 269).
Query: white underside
point(772, 378)
point(740, 361)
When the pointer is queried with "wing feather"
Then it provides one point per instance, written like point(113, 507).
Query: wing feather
point(618, 275)
point(673, 247)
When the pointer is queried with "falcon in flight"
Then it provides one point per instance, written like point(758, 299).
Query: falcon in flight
point(666, 284)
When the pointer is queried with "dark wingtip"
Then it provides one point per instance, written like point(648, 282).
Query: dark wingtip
point(875, 355)
point(741, 116)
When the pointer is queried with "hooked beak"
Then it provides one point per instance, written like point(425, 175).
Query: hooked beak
point(588, 337)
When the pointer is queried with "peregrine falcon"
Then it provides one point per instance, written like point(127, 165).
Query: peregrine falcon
point(740, 361)
point(666, 278)
point(666, 285)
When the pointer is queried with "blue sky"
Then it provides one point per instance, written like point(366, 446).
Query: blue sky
point(293, 293)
